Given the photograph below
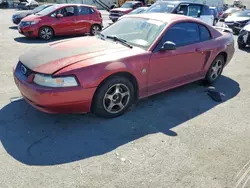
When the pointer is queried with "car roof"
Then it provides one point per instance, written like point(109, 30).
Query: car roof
point(164, 17)
point(134, 2)
point(178, 2)
point(74, 4)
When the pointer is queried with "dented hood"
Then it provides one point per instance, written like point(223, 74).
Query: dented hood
point(51, 58)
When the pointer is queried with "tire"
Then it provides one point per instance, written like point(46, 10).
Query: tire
point(113, 97)
point(46, 33)
point(95, 29)
point(113, 21)
point(215, 70)
point(241, 45)
point(214, 23)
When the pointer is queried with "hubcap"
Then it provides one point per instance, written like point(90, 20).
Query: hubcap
point(46, 33)
point(95, 30)
point(116, 98)
point(216, 69)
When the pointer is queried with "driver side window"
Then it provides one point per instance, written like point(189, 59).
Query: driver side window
point(182, 34)
point(66, 11)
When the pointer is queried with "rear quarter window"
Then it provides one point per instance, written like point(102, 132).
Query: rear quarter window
point(205, 34)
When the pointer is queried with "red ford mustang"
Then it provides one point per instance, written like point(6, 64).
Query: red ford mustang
point(138, 56)
point(62, 19)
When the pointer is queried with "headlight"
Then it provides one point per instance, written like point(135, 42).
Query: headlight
point(32, 23)
point(121, 13)
point(48, 81)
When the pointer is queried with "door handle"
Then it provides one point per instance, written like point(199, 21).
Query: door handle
point(199, 50)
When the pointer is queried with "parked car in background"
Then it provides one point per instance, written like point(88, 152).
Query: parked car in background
point(16, 18)
point(244, 36)
point(215, 12)
point(228, 12)
point(4, 4)
point(138, 56)
point(27, 5)
point(195, 10)
point(238, 20)
point(62, 19)
point(126, 8)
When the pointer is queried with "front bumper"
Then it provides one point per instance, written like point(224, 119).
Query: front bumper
point(29, 31)
point(53, 100)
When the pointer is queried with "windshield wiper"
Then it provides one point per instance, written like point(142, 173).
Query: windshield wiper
point(122, 41)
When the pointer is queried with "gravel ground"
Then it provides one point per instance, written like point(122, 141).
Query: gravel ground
point(176, 139)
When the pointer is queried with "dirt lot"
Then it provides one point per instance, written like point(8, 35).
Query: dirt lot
point(177, 139)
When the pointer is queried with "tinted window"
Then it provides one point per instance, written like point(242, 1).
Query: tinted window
point(204, 33)
point(206, 11)
point(183, 34)
point(137, 5)
point(84, 10)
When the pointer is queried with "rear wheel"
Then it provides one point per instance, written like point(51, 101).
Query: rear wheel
point(46, 33)
point(114, 97)
point(95, 29)
point(215, 69)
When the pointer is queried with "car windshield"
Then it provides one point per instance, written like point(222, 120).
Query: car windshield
point(137, 11)
point(127, 5)
point(242, 14)
point(39, 8)
point(141, 32)
point(48, 10)
point(164, 7)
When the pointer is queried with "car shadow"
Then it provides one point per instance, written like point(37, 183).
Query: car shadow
point(247, 49)
point(27, 40)
point(13, 27)
point(36, 138)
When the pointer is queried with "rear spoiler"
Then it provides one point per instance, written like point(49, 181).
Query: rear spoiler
point(224, 29)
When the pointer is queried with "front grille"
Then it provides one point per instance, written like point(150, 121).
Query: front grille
point(114, 13)
point(21, 68)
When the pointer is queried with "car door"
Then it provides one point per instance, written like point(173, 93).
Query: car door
point(83, 20)
point(67, 23)
point(172, 68)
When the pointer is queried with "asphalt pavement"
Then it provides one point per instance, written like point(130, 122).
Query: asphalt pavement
point(177, 139)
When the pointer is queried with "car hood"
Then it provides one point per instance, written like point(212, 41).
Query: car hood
point(51, 58)
point(122, 9)
point(23, 14)
point(31, 17)
point(236, 19)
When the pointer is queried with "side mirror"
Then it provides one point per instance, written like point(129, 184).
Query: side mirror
point(59, 16)
point(180, 12)
point(168, 46)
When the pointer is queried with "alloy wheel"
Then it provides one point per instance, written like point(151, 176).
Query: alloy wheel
point(116, 98)
point(95, 29)
point(46, 33)
point(216, 69)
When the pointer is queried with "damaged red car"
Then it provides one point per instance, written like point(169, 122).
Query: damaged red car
point(138, 56)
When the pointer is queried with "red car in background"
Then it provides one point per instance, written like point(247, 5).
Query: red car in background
point(138, 56)
point(126, 8)
point(62, 19)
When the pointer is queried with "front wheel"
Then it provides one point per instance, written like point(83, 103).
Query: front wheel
point(215, 69)
point(95, 29)
point(46, 33)
point(114, 97)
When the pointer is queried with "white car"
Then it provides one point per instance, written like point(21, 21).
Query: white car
point(196, 10)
